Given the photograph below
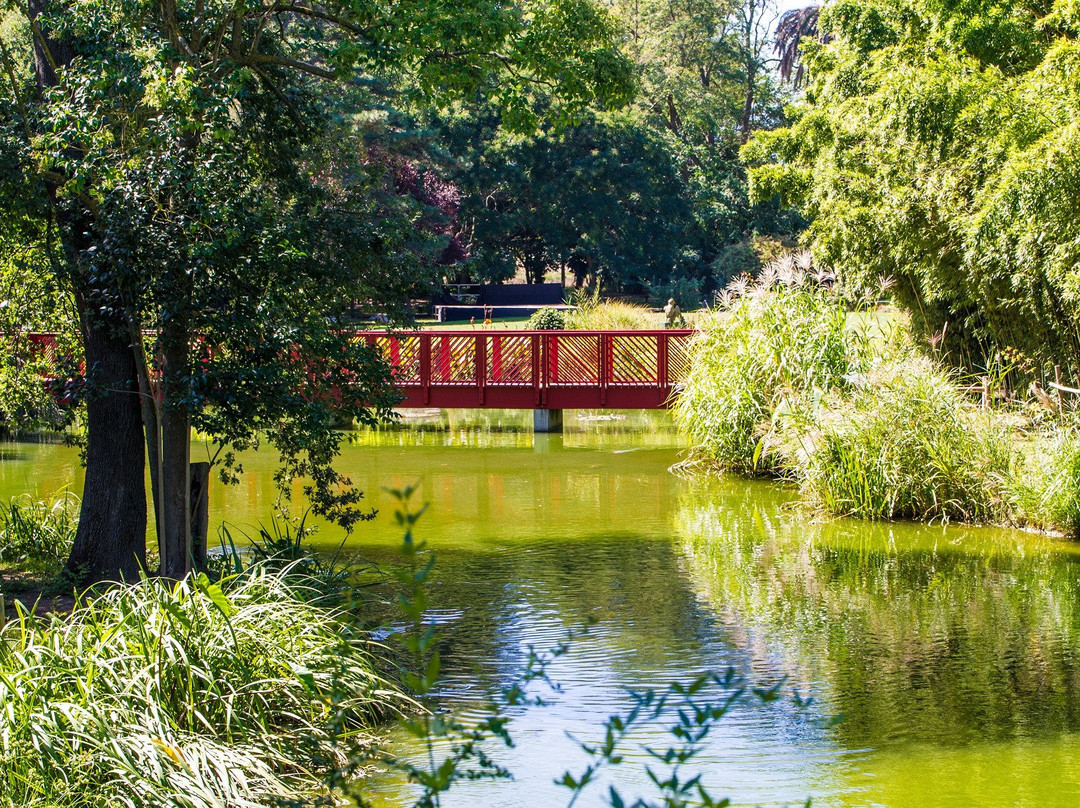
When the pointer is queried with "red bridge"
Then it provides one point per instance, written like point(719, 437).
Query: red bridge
point(540, 370)
point(546, 371)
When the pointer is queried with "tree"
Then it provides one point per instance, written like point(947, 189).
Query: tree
point(204, 175)
point(936, 144)
point(602, 197)
point(653, 195)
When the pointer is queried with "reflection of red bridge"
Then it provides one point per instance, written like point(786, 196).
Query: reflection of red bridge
point(545, 370)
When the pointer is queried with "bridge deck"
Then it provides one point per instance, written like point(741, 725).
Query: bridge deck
point(536, 369)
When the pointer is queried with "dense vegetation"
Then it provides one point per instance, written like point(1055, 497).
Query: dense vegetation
point(206, 694)
point(798, 379)
point(651, 197)
point(207, 187)
point(936, 145)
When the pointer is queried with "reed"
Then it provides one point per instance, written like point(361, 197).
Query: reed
point(903, 443)
point(768, 346)
point(1045, 490)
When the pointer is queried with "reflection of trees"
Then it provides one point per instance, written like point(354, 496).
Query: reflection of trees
point(911, 632)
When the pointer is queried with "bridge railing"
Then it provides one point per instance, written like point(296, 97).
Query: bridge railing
point(556, 369)
point(526, 369)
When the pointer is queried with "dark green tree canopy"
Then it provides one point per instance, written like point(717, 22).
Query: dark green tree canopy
point(215, 182)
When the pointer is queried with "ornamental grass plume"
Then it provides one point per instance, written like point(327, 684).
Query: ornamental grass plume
point(768, 344)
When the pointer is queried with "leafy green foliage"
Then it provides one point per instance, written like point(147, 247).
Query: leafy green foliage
point(234, 693)
point(636, 198)
point(216, 183)
point(936, 145)
point(547, 319)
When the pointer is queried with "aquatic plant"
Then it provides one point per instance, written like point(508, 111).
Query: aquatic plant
point(902, 442)
point(1045, 488)
point(36, 533)
point(188, 693)
point(769, 344)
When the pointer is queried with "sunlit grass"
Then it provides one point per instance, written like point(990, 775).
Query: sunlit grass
point(189, 693)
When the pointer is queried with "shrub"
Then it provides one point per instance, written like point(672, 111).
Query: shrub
point(593, 315)
point(547, 319)
point(902, 442)
point(769, 343)
point(189, 693)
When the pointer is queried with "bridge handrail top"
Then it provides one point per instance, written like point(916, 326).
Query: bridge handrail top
point(673, 332)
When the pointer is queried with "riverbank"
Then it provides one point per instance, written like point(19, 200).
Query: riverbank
point(793, 379)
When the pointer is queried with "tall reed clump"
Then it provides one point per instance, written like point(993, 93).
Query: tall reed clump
point(769, 345)
point(592, 314)
point(189, 693)
point(1046, 487)
point(903, 443)
point(38, 534)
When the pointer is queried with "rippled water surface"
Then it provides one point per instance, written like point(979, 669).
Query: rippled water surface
point(942, 662)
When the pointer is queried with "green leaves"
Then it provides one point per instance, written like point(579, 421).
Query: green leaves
point(934, 146)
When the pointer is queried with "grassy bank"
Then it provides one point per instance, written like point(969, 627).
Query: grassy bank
point(796, 378)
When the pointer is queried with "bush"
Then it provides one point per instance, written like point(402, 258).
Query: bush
point(903, 443)
point(769, 343)
point(547, 319)
point(593, 315)
point(188, 693)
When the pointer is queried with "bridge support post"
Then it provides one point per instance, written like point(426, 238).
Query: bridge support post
point(547, 420)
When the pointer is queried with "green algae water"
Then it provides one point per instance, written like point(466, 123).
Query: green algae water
point(942, 662)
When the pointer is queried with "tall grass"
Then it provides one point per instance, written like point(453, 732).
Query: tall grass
point(768, 346)
point(903, 443)
point(38, 534)
point(792, 379)
point(1046, 486)
point(592, 314)
point(192, 693)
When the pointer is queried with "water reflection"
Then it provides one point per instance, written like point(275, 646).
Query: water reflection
point(951, 653)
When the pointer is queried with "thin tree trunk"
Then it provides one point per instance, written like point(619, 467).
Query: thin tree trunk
point(151, 415)
point(176, 551)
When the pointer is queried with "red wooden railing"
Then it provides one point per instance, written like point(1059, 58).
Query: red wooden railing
point(527, 369)
point(536, 369)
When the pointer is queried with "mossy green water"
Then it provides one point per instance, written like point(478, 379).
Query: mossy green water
point(951, 654)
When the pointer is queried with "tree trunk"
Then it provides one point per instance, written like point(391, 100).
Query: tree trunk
point(200, 513)
point(110, 543)
point(175, 541)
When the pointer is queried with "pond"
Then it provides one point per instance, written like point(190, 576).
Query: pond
point(942, 662)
